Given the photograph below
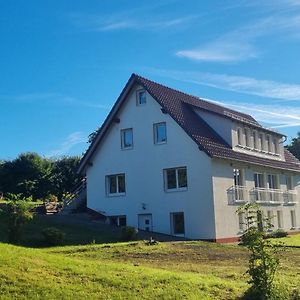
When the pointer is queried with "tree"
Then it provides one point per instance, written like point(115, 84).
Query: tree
point(65, 175)
point(294, 147)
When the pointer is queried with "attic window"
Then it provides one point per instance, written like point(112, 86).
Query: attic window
point(141, 97)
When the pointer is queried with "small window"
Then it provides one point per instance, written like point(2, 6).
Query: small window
point(279, 219)
point(261, 141)
point(141, 97)
point(241, 216)
point(246, 133)
point(268, 140)
point(275, 146)
point(177, 223)
point(254, 138)
point(176, 179)
point(289, 182)
point(160, 133)
point(116, 184)
point(270, 217)
point(239, 136)
point(127, 138)
point(293, 219)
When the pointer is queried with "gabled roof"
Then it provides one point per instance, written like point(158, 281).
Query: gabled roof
point(180, 106)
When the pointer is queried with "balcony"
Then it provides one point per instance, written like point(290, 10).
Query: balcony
point(290, 197)
point(266, 196)
point(241, 194)
point(238, 194)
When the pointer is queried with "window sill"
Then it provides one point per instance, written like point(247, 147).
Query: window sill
point(127, 148)
point(176, 190)
point(116, 195)
point(160, 143)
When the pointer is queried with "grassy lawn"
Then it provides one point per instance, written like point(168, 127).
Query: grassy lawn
point(134, 270)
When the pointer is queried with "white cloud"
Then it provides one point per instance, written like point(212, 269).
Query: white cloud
point(72, 140)
point(240, 44)
point(276, 116)
point(221, 51)
point(241, 84)
point(136, 19)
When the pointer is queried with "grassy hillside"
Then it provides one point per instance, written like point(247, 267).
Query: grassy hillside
point(189, 270)
point(135, 270)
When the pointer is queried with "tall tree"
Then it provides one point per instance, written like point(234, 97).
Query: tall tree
point(294, 147)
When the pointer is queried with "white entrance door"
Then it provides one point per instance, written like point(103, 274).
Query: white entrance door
point(145, 222)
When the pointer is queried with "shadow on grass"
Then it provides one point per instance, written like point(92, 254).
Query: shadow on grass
point(78, 231)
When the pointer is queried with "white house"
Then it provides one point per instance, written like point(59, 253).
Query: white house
point(169, 162)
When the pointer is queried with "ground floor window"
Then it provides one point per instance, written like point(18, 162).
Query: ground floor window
point(117, 220)
point(177, 223)
point(279, 219)
point(293, 219)
point(270, 220)
point(241, 216)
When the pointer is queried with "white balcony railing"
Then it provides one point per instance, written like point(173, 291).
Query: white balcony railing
point(238, 194)
point(290, 197)
point(241, 194)
point(271, 196)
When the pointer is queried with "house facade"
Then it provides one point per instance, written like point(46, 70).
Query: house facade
point(169, 162)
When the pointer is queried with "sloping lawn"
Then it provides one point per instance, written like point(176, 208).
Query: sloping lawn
point(134, 270)
point(92, 265)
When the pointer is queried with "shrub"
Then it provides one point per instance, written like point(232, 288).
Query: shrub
point(16, 214)
point(277, 234)
point(51, 198)
point(53, 236)
point(128, 233)
point(264, 259)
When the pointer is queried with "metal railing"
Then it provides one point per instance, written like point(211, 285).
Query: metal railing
point(263, 195)
point(242, 194)
point(238, 194)
point(290, 197)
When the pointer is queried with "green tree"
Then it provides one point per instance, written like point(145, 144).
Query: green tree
point(65, 176)
point(294, 147)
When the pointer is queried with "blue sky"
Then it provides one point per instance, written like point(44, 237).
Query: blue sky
point(64, 63)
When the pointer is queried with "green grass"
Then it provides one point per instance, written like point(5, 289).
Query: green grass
point(290, 241)
point(134, 270)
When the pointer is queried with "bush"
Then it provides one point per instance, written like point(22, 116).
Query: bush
point(51, 198)
point(277, 234)
point(53, 236)
point(128, 233)
point(16, 214)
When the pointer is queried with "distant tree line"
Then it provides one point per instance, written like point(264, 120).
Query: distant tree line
point(33, 175)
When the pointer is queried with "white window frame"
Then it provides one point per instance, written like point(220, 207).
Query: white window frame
point(155, 135)
point(276, 182)
point(138, 92)
point(177, 188)
point(123, 134)
point(117, 193)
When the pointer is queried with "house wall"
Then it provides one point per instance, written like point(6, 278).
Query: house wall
point(143, 167)
point(227, 224)
point(223, 126)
